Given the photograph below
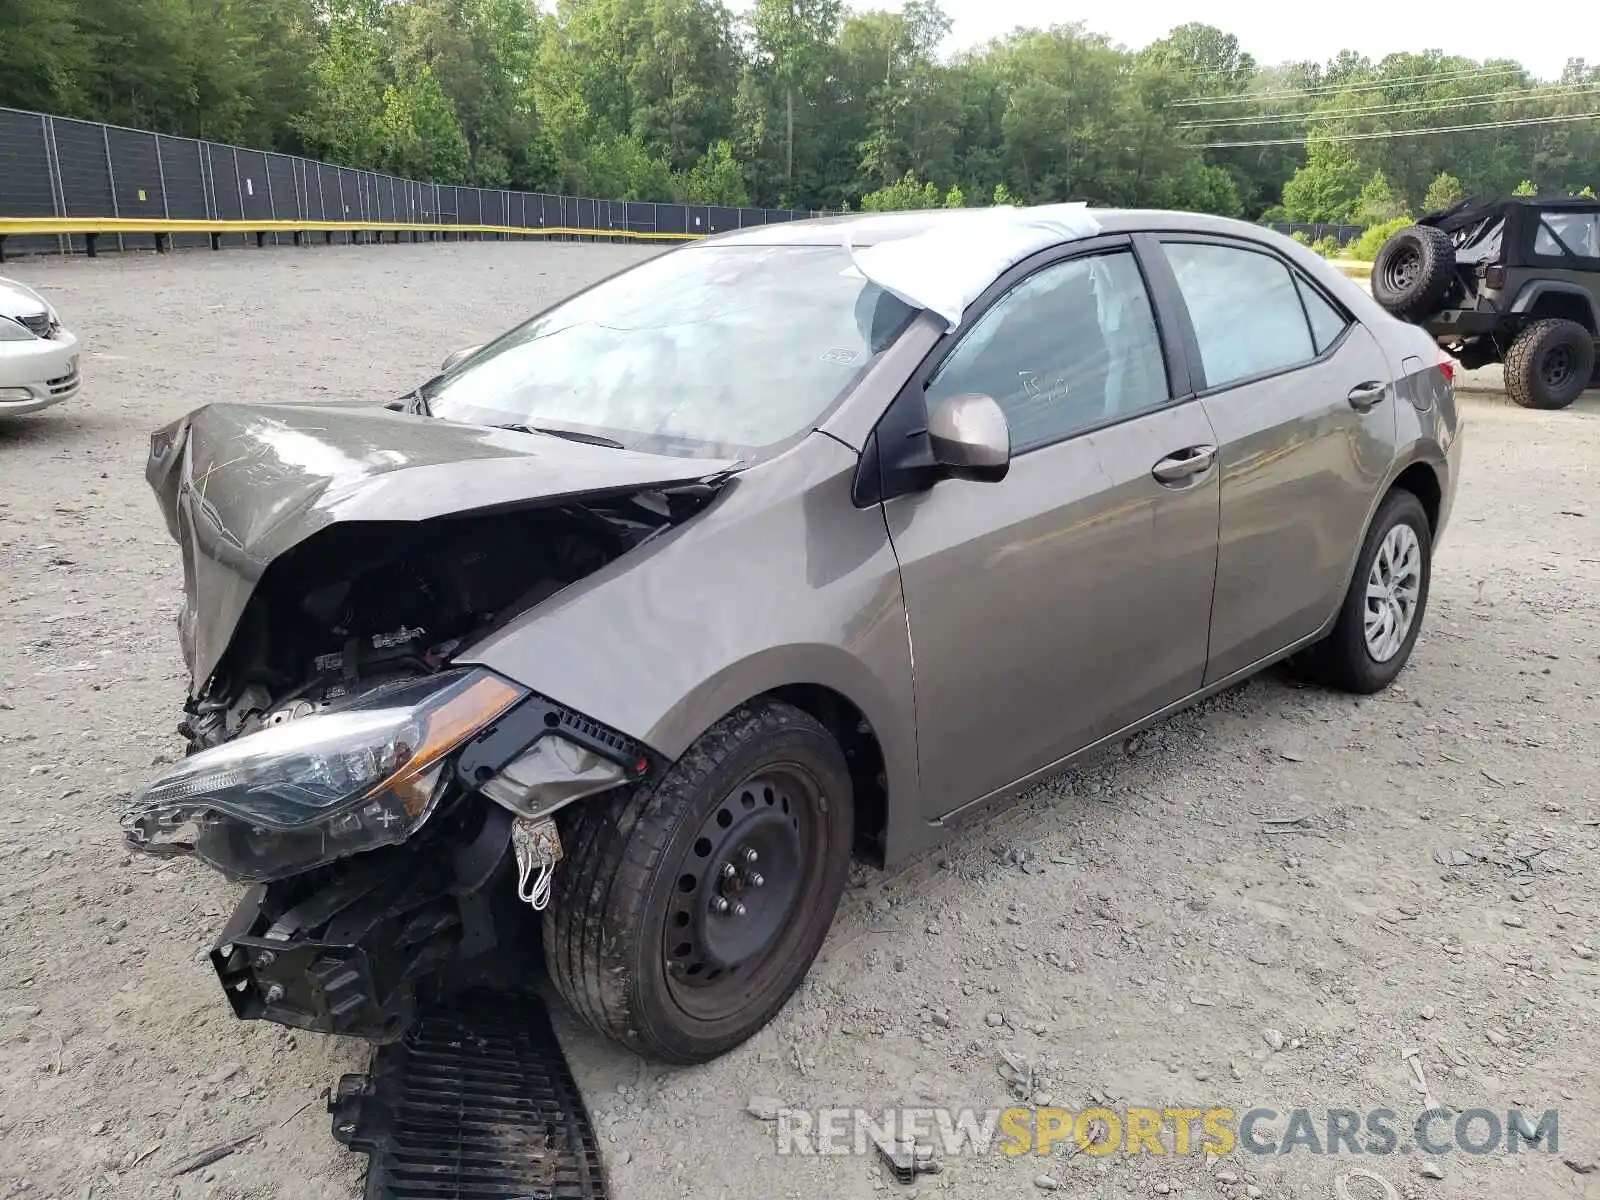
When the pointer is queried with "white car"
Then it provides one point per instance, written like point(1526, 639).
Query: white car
point(38, 356)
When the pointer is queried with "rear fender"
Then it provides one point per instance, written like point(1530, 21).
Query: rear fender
point(1571, 297)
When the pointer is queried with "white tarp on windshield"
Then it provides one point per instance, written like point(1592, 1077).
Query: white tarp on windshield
point(946, 267)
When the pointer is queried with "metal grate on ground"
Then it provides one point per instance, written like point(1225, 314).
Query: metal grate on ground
point(475, 1103)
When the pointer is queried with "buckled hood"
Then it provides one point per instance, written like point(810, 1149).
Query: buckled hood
point(240, 485)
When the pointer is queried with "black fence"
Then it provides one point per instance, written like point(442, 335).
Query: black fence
point(1315, 231)
point(61, 167)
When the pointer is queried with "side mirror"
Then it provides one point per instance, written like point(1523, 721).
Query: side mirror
point(971, 438)
point(457, 356)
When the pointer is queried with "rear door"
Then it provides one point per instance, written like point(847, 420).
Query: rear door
point(1073, 596)
point(1302, 400)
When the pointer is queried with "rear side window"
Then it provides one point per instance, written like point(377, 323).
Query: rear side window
point(1578, 233)
point(1327, 322)
point(1245, 309)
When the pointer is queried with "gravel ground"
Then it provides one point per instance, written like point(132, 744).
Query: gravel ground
point(1135, 931)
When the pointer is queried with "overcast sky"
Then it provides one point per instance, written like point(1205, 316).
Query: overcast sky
point(1540, 36)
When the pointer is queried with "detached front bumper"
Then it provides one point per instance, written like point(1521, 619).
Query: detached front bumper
point(348, 955)
point(37, 374)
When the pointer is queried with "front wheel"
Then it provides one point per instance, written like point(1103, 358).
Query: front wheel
point(1382, 612)
point(686, 913)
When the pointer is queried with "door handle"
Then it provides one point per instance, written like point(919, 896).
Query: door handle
point(1185, 464)
point(1364, 395)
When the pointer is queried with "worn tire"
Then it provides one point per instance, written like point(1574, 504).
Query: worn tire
point(1341, 660)
point(613, 893)
point(1527, 382)
point(1413, 271)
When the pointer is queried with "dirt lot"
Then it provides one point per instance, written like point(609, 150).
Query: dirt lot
point(1135, 931)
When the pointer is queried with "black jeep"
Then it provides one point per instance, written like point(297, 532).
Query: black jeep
point(1514, 281)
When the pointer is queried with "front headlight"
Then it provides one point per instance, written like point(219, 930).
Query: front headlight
point(322, 787)
point(14, 331)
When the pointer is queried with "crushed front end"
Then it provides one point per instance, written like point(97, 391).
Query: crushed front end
point(388, 809)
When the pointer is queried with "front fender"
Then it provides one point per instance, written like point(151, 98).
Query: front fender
point(781, 581)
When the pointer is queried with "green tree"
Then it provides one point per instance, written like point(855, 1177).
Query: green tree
point(1377, 202)
point(1326, 188)
point(343, 119)
point(421, 136)
point(1444, 192)
point(904, 195)
point(717, 178)
point(955, 197)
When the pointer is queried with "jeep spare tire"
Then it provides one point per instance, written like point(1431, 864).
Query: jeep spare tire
point(1549, 364)
point(1413, 271)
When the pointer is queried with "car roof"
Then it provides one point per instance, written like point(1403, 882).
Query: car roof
point(863, 229)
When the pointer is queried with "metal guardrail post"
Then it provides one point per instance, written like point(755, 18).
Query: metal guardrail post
point(58, 194)
point(111, 179)
point(163, 241)
point(272, 204)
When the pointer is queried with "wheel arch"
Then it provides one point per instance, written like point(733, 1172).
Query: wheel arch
point(1556, 298)
point(830, 685)
point(1420, 475)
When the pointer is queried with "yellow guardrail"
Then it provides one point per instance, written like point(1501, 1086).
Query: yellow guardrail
point(89, 226)
point(53, 226)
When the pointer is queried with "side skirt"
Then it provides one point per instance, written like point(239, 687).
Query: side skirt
point(1012, 790)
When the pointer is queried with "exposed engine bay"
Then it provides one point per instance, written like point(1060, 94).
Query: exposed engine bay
point(363, 604)
point(389, 808)
point(351, 913)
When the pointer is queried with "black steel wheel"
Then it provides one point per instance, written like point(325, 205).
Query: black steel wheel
point(1549, 363)
point(1413, 271)
point(686, 913)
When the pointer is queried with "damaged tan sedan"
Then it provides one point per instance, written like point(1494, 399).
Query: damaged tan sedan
point(792, 545)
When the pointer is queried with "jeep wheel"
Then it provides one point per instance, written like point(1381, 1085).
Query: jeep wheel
point(1549, 364)
point(1413, 271)
point(687, 913)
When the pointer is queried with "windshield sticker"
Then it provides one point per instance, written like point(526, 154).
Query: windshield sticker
point(841, 356)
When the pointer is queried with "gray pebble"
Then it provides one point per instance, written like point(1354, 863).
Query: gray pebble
point(1273, 1038)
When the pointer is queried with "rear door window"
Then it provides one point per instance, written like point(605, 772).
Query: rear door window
point(1327, 322)
point(1245, 308)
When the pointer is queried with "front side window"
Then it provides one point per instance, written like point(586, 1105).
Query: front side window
point(1072, 346)
point(1245, 310)
point(709, 351)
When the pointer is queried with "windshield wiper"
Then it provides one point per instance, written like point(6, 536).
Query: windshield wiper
point(571, 435)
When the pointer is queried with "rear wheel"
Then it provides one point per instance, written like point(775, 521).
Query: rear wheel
point(1382, 611)
point(1549, 364)
point(1413, 271)
point(688, 912)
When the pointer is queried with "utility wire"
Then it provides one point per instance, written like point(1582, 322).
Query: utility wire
point(1511, 96)
point(1341, 88)
point(1362, 137)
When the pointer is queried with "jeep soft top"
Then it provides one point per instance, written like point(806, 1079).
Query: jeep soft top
point(1514, 280)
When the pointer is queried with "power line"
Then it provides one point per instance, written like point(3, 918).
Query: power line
point(1443, 104)
point(1340, 88)
point(1362, 137)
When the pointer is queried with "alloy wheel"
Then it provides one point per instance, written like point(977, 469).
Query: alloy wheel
point(1393, 587)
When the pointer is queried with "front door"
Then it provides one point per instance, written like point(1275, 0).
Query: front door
point(1300, 396)
point(1071, 598)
